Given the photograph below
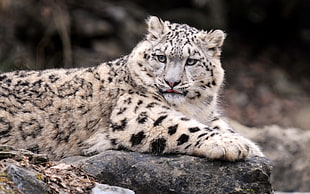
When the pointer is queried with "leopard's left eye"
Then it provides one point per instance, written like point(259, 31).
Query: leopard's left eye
point(190, 62)
point(161, 58)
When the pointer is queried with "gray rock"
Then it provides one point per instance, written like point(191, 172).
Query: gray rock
point(107, 189)
point(145, 173)
point(11, 152)
point(278, 192)
point(25, 180)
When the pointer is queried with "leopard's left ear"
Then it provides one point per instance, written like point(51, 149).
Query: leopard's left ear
point(213, 39)
point(156, 28)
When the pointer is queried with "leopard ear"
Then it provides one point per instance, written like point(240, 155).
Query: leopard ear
point(156, 27)
point(213, 39)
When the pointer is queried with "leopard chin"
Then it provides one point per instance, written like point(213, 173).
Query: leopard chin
point(174, 98)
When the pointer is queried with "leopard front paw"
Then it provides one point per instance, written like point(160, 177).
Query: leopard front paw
point(228, 146)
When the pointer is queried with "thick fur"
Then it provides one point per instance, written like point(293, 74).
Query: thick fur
point(161, 98)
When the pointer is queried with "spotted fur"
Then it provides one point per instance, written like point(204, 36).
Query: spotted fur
point(161, 98)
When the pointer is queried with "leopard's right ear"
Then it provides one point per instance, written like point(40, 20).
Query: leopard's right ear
point(156, 28)
point(212, 39)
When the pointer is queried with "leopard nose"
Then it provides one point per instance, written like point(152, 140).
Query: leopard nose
point(172, 84)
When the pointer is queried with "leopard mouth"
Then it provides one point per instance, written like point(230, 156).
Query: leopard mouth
point(173, 92)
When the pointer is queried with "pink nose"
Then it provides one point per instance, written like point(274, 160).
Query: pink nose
point(172, 84)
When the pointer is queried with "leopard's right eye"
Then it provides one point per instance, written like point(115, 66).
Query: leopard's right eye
point(191, 62)
point(161, 58)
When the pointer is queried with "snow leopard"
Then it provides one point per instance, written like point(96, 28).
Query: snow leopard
point(162, 98)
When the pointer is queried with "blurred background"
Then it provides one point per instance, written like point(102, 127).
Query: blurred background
point(266, 54)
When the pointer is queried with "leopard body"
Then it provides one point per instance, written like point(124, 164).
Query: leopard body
point(161, 98)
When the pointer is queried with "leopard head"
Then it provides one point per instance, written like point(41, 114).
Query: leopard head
point(181, 62)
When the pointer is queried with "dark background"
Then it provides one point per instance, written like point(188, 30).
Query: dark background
point(266, 54)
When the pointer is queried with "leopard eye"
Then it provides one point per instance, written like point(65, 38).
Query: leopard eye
point(190, 62)
point(161, 58)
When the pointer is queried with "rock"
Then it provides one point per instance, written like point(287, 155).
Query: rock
point(288, 150)
point(18, 154)
point(278, 192)
point(107, 189)
point(145, 173)
point(7, 186)
point(25, 180)
point(24, 177)
point(14, 179)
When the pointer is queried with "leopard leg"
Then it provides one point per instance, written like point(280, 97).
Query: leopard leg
point(148, 124)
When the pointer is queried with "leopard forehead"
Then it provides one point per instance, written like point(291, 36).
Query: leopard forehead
point(180, 40)
point(181, 31)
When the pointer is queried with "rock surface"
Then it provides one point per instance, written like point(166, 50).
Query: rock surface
point(18, 154)
point(22, 171)
point(144, 173)
point(107, 189)
point(25, 180)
